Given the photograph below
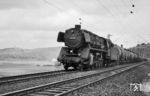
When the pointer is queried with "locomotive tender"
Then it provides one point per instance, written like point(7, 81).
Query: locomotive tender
point(84, 49)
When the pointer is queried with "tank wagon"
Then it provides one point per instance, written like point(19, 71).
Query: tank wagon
point(86, 50)
point(120, 55)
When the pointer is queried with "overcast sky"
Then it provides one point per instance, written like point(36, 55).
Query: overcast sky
point(36, 23)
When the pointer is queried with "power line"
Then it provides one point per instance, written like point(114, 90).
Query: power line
point(124, 2)
point(114, 17)
point(51, 4)
point(132, 6)
point(109, 11)
point(60, 9)
point(137, 21)
point(143, 38)
point(82, 9)
point(99, 1)
point(116, 6)
point(77, 6)
point(119, 21)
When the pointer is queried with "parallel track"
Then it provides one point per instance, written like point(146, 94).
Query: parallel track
point(64, 87)
point(26, 77)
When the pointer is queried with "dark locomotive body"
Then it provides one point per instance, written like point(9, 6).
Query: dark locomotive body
point(85, 50)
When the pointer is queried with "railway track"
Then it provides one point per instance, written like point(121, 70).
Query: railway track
point(69, 86)
point(26, 77)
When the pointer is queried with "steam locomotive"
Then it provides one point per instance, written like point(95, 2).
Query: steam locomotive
point(86, 50)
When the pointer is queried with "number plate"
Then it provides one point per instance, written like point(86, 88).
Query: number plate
point(72, 38)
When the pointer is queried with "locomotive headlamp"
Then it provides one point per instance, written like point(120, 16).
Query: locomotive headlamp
point(79, 54)
point(71, 51)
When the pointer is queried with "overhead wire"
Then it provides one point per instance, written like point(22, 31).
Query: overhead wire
point(77, 6)
point(125, 3)
point(114, 17)
point(51, 4)
point(138, 20)
point(59, 9)
point(105, 8)
point(116, 6)
point(131, 24)
point(99, 1)
point(83, 10)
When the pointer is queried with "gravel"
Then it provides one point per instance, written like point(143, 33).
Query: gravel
point(17, 86)
point(21, 85)
point(119, 85)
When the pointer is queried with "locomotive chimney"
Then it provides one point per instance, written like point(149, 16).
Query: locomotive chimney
point(78, 27)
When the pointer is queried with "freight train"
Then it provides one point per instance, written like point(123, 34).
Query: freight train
point(85, 50)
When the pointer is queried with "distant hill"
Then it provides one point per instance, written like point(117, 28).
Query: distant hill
point(50, 53)
point(29, 54)
point(142, 49)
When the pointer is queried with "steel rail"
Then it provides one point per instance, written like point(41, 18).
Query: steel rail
point(70, 92)
point(25, 77)
point(60, 83)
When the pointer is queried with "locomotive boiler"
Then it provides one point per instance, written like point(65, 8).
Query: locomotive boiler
point(86, 50)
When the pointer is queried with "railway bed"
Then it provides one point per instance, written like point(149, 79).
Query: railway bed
point(17, 78)
point(7, 83)
point(69, 86)
point(30, 81)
